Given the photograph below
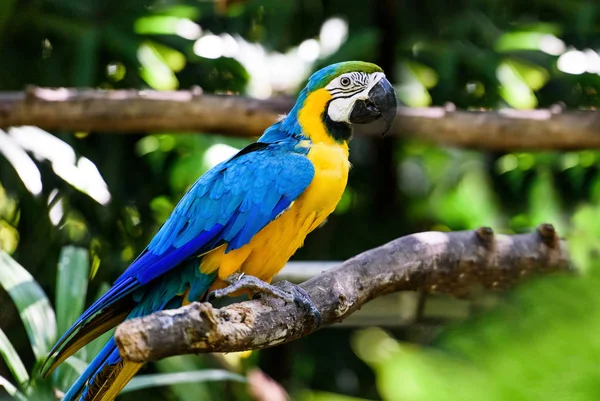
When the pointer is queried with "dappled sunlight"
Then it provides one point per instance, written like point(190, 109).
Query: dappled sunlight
point(155, 69)
point(334, 32)
point(309, 50)
point(22, 163)
point(80, 172)
point(9, 237)
point(551, 44)
point(43, 145)
point(457, 65)
point(168, 25)
point(116, 71)
point(76, 176)
point(274, 71)
point(531, 40)
point(572, 62)
point(577, 62)
point(519, 78)
point(188, 29)
point(415, 80)
point(9, 218)
point(218, 153)
point(56, 212)
point(209, 46)
point(374, 345)
point(514, 90)
point(230, 46)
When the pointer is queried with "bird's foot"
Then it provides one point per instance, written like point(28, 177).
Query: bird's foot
point(241, 281)
point(301, 298)
point(283, 290)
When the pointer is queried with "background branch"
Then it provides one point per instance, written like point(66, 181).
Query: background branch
point(448, 263)
point(191, 111)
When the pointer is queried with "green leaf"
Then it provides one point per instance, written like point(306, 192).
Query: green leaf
point(177, 10)
point(168, 379)
point(31, 302)
point(71, 289)
point(186, 363)
point(11, 390)
point(69, 371)
point(158, 25)
point(155, 69)
point(78, 365)
point(71, 285)
point(544, 200)
point(12, 359)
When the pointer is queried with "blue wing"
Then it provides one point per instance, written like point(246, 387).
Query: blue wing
point(227, 205)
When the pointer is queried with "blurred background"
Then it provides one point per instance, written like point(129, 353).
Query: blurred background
point(76, 208)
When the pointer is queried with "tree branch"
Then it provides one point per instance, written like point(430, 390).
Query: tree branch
point(191, 111)
point(138, 111)
point(448, 263)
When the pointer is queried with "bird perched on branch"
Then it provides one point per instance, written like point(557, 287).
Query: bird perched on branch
point(244, 219)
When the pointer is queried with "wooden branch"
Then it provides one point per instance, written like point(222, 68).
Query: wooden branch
point(438, 262)
point(191, 111)
point(139, 111)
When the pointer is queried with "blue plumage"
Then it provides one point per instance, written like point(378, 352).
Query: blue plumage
point(162, 295)
point(229, 204)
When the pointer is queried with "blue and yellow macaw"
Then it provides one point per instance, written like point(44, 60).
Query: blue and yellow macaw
point(247, 215)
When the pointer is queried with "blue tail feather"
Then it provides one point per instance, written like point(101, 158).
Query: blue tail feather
point(164, 294)
point(92, 370)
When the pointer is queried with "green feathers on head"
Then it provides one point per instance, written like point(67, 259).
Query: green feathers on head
point(321, 78)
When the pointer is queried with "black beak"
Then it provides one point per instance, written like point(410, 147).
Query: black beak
point(381, 105)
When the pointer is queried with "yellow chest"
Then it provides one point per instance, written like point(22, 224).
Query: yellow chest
point(270, 249)
point(326, 189)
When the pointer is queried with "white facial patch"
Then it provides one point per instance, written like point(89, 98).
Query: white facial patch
point(347, 89)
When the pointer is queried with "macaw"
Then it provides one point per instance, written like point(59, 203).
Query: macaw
point(246, 216)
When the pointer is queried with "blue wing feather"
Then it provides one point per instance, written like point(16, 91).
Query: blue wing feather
point(234, 200)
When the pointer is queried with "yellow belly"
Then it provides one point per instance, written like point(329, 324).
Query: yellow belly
point(270, 249)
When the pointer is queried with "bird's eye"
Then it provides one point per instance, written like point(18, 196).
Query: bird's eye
point(345, 81)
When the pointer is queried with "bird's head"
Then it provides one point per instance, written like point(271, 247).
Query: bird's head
point(341, 96)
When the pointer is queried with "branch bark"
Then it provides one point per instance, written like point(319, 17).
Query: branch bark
point(448, 263)
point(191, 111)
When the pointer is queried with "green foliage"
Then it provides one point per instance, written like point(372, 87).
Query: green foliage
point(539, 344)
point(169, 379)
point(34, 308)
point(38, 317)
point(9, 354)
point(475, 54)
point(71, 286)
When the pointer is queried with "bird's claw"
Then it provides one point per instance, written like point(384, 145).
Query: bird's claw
point(301, 298)
point(240, 281)
point(283, 290)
